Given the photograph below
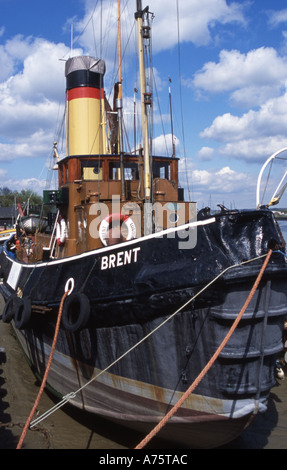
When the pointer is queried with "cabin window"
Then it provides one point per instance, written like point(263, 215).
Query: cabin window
point(161, 170)
point(130, 171)
point(92, 170)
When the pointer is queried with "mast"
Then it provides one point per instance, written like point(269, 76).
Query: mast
point(147, 170)
point(119, 104)
point(171, 121)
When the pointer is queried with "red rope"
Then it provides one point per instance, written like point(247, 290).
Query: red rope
point(185, 395)
point(25, 429)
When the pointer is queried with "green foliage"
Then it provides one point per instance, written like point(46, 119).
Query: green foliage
point(8, 197)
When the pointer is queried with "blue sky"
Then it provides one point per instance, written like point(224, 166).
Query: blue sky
point(233, 79)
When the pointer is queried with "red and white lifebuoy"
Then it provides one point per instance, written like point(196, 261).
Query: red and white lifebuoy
point(61, 233)
point(106, 224)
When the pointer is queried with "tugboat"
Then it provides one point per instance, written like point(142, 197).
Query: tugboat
point(153, 285)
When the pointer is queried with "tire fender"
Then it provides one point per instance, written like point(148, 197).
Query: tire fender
point(76, 312)
point(23, 313)
point(10, 308)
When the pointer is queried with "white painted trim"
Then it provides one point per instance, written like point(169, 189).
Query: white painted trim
point(98, 251)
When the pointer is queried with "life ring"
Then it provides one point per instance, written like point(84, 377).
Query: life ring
point(76, 312)
point(61, 233)
point(10, 308)
point(23, 313)
point(123, 219)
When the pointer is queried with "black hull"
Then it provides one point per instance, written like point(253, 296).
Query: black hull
point(131, 289)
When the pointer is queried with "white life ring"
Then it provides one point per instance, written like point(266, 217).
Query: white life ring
point(61, 233)
point(123, 219)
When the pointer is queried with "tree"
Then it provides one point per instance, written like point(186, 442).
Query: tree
point(8, 197)
point(33, 198)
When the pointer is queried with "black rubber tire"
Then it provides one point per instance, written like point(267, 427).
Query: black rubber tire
point(23, 313)
point(10, 308)
point(76, 312)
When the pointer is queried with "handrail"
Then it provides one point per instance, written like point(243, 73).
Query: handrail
point(273, 156)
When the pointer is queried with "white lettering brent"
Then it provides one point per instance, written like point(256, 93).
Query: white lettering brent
point(120, 259)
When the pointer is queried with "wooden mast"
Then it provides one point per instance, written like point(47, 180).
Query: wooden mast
point(147, 170)
point(119, 104)
point(171, 120)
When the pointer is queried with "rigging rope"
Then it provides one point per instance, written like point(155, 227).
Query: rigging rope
point(25, 429)
point(204, 371)
point(70, 395)
point(180, 93)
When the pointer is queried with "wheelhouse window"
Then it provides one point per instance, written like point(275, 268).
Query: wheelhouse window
point(161, 170)
point(92, 170)
point(130, 171)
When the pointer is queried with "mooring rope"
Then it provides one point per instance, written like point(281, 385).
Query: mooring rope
point(204, 371)
point(66, 398)
point(26, 427)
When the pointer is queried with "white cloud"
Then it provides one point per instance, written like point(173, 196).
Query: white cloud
point(217, 185)
point(33, 184)
point(205, 154)
point(101, 41)
point(252, 134)
point(19, 119)
point(31, 98)
point(162, 145)
point(13, 53)
point(3, 174)
point(20, 47)
point(258, 81)
point(197, 20)
point(7, 64)
point(224, 180)
point(253, 77)
point(218, 180)
point(253, 150)
point(29, 146)
point(249, 95)
point(276, 18)
point(42, 75)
